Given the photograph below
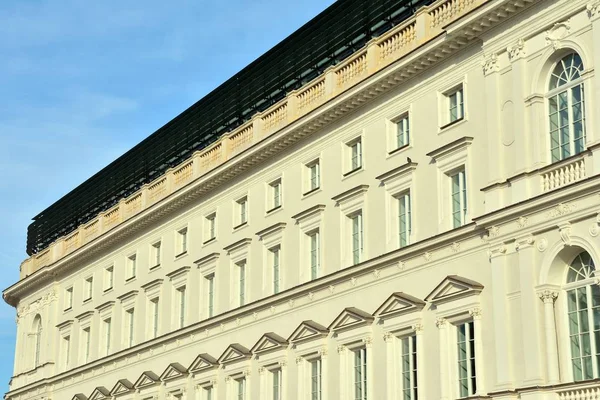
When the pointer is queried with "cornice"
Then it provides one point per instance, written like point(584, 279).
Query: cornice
point(152, 284)
point(399, 171)
point(128, 295)
point(105, 305)
point(348, 194)
point(308, 212)
point(237, 245)
point(178, 272)
point(278, 227)
point(206, 259)
point(65, 324)
point(451, 147)
point(84, 315)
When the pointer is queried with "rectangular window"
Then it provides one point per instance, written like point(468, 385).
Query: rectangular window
point(210, 283)
point(181, 295)
point(314, 175)
point(89, 287)
point(86, 344)
point(459, 199)
point(402, 132)
point(155, 308)
point(182, 241)
point(107, 335)
point(467, 384)
point(275, 188)
point(315, 380)
point(130, 315)
point(355, 154)
point(409, 367)
point(277, 384)
point(208, 393)
point(211, 226)
point(242, 211)
point(109, 274)
point(360, 374)
point(131, 266)
point(155, 254)
point(276, 279)
point(242, 283)
point(69, 298)
point(314, 255)
point(404, 219)
point(456, 105)
point(67, 350)
point(357, 238)
point(241, 389)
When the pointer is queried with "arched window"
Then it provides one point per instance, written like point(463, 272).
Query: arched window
point(583, 307)
point(566, 108)
point(37, 333)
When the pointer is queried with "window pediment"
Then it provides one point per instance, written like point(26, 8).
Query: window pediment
point(308, 330)
point(350, 194)
point(206, 260)
point(123, 386)
point(451, 150)
point(397, 304)
point(128, 296)
point(401, 173)
point(152, 284)
point(234, 353)
point(100, 393)
point(271, 230)
point(453, 287)
point(350, 318)
point(148, 378)
point(65, 325)
point(173, 371)
point(203, 362)
point(105, 306)
point(84, 316)
point(269, 342)
point(79, 396)
point(178, 273)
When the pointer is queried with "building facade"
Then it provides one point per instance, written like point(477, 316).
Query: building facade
point(420, 221)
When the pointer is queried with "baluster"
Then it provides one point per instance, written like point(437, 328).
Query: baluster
point(561, 175)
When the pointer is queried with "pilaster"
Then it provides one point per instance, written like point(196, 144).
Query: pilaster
point(548, 297)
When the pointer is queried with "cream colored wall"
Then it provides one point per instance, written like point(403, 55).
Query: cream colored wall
point(513, 320)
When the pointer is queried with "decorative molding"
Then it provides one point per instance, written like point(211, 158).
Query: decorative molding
point(455, 247)
point(441, 323)
point(350, 318)
point(48, 298)
point(311, 296)
point(427, 256)
point(453, 287)
point(399, 304)
point(497, 251)
point(490, 64)
point(376, 273)
point(542, 245)
point(516, 51)
point(593, 10)
point(560, 209)
point(475, 313)
point(323, 352)
point(307, 330)
point(331, 289)
point(559, 31)
point(565, 233)
point(401, 265)
point(341, 349)
point(387, 337)
point(595, 227)
point(522, 222)
point(524, 242)
point(548, 296)
point(494, 231)
point(367, 341)
point(418, 327)
point(299, 360)
point(353, 281)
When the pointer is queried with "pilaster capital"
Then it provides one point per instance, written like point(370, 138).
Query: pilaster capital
point(323, 352)
point(418, 328)
point(441, 323)
point(341, 349)
point(261, 370)
point(475, 313)
point(516, 51)
point(593, 9)
point(497, 251)
point(368, 341)
point(282, 364)
point(524, 242)
point(299, 360)
point(548, 296)
point(490, 64)
point(387, 337)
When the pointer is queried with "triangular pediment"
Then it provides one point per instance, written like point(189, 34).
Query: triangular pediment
point(173, 371)
point(123, 386)
point(79, 396)
point(100, 393)
point(350, 318)
point(397, 304)
point(452, 287)
point(308, 330)
point(203, 362)
point(147, 378)
point(234, 353)
point(269, 342)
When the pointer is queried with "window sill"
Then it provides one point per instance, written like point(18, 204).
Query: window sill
point(181, 255)
point(130, 279)
point(87, 300)
point(352, 172)
point(154, 267)
point(312, 191)
point(453, 123)
point(66, 310)
point(240, 226)
point(272, 210)
point(209, 241)
point(398, 150)
point(107, 290)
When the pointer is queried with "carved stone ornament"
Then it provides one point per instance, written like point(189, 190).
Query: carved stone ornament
point(311, 296)
point(206, 332)
point(427, 256)
point(542, 245)
point(558, 32)
point(402, 265)
point(387, 337)
point(517, 50)
point(498, 251)
point(255, 315)
point(524, 242)
point(272, 309)
point(299, 360)
point(565, 233)
point(323, 352)
point(291, 303)
point(238, 321)
point(376, 273)
point(475, 313)
point(261, 370)
point(222, 327)
point(490, 64)
point(560, 210)
point(494, 231)
point(341, 349)
point(353, 281)
point(548, 296)
point(367, 341)
point(522, 222)
point(455, 247)
point(331, 289)
point(593, 10)
point(48, 298)
point(418, 327)
point(440, 323)
point(595, 227)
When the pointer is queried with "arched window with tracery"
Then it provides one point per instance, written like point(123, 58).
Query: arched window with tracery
point(583, 307)
point(566, 108)
point(37, 339)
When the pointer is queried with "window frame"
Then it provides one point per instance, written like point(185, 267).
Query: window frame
point(131, 261)
point(182, 241)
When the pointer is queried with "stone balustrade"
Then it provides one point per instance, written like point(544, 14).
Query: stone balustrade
point(426, 24)
point(562, 175)
point(588, 392)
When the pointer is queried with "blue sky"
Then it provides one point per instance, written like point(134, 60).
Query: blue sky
point(82, 82)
